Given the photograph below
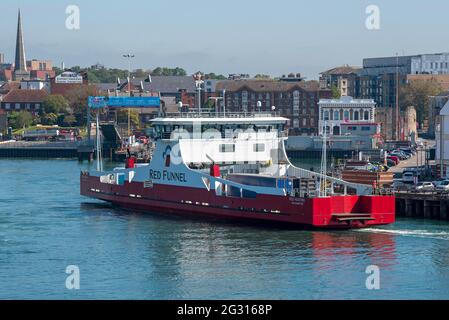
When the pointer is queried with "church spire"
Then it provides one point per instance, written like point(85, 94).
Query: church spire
point(20, 69)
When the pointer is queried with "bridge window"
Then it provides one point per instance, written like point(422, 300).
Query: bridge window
point(259, 147)
point(227, 147)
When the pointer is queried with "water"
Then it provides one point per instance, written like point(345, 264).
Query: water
point(45, 225)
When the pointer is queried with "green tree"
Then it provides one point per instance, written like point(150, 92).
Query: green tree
point(416, 93)
point(55, 103)
point(49, 119)
point(214, 76)
point(69, 120)
point(122, 117)
point(336, 93)
point(77, 99)
point(168, 71)
point(21, 119)
point(262, 76)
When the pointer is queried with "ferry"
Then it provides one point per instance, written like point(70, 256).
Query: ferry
point(234, 167)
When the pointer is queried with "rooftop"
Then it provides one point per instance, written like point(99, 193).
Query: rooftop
point(346, 100)
point(25, 96)
point(266, 85)
point(346, 69)
point(163, 84)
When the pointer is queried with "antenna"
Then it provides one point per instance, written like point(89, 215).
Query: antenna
point(323, 179)
point(99, 162)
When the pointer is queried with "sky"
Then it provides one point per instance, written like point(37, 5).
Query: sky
point(232, 36)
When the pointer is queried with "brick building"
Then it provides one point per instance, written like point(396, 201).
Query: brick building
point(295, 100)
point(343, 78)
point(28, 100)
point(68, 81)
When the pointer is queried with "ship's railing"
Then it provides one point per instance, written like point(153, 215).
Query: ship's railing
point(362, 189)
point(213, 114)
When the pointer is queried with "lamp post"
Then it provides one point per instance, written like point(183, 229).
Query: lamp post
point(216, 99)
point(198, 82)
point(129, 57)
point(224, 102)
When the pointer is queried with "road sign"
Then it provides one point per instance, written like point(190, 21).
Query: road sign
point(124, 102)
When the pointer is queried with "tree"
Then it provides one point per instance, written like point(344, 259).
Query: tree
point(262, 76)
point(416, 93)
point(168, 72)
point(214, 76)
point(336, 93)
point(49, 119)
point(77, 99)
point(122, 117)
point(140, 73)
point(21, 119)
point(55, 103)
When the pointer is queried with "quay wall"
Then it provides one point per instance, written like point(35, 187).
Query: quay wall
point(423, 205)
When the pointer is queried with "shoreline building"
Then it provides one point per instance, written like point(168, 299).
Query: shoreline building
point(353, 114)
point(343, 78)
point(296, 100)
point(442, 140)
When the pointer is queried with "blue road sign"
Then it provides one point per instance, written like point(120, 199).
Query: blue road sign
point(97, 102)
point(124, 102)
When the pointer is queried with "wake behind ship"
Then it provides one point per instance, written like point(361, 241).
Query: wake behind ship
point(235, 167)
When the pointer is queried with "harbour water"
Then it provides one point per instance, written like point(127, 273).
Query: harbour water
point(45, 226)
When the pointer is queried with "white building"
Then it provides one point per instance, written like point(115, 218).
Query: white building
point(437, 63)
point(442, 138)
point(346, 110)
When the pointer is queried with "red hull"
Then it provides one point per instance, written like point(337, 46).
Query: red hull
point(330, 212)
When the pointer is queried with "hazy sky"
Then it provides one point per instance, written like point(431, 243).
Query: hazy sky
point(232, 36)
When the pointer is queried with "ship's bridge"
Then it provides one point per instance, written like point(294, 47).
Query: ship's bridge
point(194, 125)
point(233, 138)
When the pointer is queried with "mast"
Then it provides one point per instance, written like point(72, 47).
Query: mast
point(397, 127)
point(99, 162)
point(323, 180)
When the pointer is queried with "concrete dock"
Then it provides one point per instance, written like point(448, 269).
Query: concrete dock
point(46, 149)
point(422, 205)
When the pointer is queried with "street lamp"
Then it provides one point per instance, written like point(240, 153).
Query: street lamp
point(216, 99)
point(129, 57)
point(198, 82)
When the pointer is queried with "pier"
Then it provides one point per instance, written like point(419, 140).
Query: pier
point(430, 205)
point(46, 149)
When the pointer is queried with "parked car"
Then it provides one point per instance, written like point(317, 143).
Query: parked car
point(408, 151)
point(439, 181)
point(395, 159)
point(425, 186)
point(443, 186)
point(401, 155)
